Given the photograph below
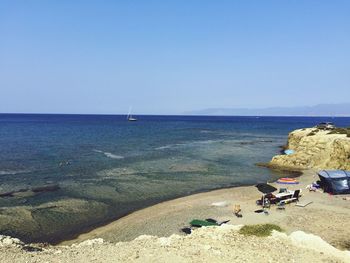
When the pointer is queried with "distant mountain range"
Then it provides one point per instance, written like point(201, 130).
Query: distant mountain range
point(342, 109)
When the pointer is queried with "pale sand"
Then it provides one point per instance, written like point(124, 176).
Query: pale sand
point(327, 216)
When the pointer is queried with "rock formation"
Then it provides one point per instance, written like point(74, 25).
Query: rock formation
point(318, 149)
point(207, 244)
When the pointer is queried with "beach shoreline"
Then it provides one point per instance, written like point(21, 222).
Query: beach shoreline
point(325, 216)
point(154, 220)
point(73, 235)
point(293, 172)
point(283, 172)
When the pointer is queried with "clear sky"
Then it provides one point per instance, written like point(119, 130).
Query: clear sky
point(167, 57)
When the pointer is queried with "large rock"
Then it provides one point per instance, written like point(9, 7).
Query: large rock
point(318, 149)
point(6, 241)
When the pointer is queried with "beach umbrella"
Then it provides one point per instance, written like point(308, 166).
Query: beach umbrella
point(265, 188)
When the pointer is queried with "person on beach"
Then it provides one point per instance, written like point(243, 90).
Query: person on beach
point(237, 210)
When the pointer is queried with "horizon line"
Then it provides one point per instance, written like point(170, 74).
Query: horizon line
point(189, 115)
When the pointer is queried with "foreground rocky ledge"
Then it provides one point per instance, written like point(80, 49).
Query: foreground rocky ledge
point(314, 148)
point(210, 244)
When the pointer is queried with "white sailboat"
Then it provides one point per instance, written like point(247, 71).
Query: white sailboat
point(129, 116)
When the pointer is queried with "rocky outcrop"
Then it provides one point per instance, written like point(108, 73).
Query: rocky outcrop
point(6, 241)
point(317, 149)
point(207, 244)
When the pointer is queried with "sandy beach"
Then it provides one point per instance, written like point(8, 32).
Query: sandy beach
point(174, 131)
point(327, 215)
point(153, 234)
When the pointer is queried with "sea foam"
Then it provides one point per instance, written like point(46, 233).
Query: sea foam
point(13, 172)
point(188, 144)
point(110, 155)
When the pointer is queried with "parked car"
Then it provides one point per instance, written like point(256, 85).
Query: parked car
point(325, 126)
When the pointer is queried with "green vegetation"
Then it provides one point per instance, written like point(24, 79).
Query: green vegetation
point(261, 230)
point(341, 131)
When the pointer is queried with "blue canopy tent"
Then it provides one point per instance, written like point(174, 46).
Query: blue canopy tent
point(335, 181)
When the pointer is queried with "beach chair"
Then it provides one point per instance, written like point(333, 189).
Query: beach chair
point(294, 198)
point(283, 190)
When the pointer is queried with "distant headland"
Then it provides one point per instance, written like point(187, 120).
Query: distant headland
point(332, 110)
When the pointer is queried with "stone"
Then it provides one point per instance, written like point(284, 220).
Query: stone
point(321, 150)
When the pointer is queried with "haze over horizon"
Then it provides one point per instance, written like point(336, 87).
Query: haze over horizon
point(329, 110)
point(170, 58)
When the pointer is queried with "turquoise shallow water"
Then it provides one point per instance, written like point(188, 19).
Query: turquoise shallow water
point(106, 167)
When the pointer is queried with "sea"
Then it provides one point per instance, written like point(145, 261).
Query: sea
point(104, 167)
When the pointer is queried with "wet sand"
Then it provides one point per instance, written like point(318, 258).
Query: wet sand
point(327, 215)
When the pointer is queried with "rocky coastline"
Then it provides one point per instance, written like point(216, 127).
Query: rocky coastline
point(314, 148)
point(160, 224)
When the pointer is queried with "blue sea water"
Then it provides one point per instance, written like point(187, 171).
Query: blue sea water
point(122, 166)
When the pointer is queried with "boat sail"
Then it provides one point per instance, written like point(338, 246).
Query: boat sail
point(129, 116)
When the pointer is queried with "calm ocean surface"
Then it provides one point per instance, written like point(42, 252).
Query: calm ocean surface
point(107, 167)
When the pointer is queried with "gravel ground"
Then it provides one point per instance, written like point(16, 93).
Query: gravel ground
point(211, 244)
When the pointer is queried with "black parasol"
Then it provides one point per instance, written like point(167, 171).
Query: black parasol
point(265, 188)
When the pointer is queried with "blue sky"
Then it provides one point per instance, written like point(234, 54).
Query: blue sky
point(167, 57)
